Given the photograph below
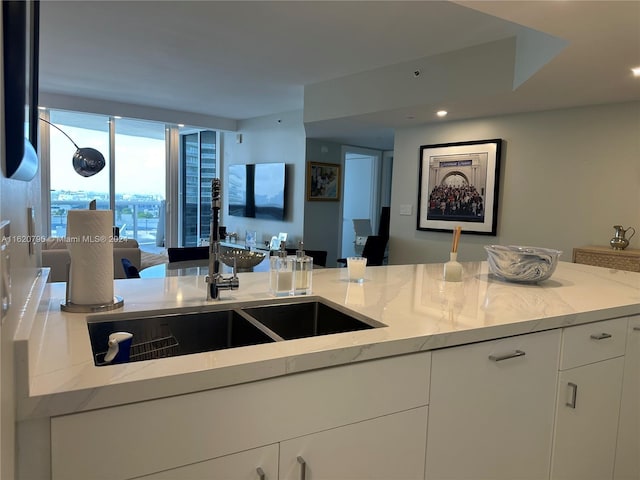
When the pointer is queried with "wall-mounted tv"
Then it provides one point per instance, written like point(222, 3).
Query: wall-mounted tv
point(257, 190)
point(20, 38)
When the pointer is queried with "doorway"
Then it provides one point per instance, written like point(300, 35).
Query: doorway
point(361, 196)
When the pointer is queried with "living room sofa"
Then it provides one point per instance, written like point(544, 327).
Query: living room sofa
point(56, 256)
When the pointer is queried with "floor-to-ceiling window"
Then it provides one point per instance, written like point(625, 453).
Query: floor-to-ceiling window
point(140, 181)
point(207, 173)
point(198, 168)
point(68, 189)
point(134, 182)
point(190, 155)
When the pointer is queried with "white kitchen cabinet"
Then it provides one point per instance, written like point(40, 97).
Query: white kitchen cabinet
point(588, 401)
point(587, 421)
point(491, 409)
point(254, 464)
point(189, 431)
point(389, 447)
point(627, 464)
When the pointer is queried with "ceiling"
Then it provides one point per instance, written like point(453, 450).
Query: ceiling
point(349, 65)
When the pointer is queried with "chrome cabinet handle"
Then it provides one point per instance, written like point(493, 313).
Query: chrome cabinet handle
point(303, 468)
point(637, 329)
point(506, 356)
point(600, 336)
point(261, 475)
point(574, 395)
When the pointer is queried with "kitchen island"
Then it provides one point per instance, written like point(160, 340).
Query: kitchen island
point(57, 376)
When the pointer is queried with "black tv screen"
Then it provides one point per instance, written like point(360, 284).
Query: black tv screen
point(257, 190)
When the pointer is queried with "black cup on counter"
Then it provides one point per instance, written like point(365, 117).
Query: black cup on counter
point(222, 232)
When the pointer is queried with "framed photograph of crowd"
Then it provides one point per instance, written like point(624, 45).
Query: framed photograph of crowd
point(323, 181)
point(459, 186)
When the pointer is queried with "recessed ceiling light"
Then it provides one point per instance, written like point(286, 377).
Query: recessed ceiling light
point(181, 125)
point(441, 113)
point(636, 71)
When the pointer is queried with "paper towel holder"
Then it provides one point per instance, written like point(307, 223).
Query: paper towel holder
point(69, 306)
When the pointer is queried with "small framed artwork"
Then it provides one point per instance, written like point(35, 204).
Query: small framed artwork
point(459, 186)
point(323, 181)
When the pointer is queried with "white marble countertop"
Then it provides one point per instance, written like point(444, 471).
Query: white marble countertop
point(57, 375)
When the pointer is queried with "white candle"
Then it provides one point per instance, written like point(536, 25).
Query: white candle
point(284, 281)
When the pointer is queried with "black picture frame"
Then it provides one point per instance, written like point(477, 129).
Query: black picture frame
point(459, 185)
point(20, 40)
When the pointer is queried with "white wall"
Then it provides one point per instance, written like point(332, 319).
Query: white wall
point(15, 197)
point(567, 176)
point(322, 219)
point(273, 138)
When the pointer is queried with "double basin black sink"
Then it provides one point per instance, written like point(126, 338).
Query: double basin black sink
point(187, 331)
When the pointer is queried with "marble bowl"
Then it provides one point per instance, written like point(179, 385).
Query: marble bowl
point(245, 259)
point(522, 264)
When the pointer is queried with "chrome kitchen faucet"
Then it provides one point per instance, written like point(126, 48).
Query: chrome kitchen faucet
point(215, 280)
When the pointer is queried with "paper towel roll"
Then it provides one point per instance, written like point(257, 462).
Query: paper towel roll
point(91, 250)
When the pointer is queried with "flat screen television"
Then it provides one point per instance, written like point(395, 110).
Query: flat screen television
point(257, 190)
point(20, 37)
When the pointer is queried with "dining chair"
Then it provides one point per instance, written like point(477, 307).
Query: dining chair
point(183, 254)
point(373, 250)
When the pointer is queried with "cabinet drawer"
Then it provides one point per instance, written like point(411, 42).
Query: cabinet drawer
point(593, 342)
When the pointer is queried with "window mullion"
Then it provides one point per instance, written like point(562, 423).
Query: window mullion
point(112, 167)
point(45, 169)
